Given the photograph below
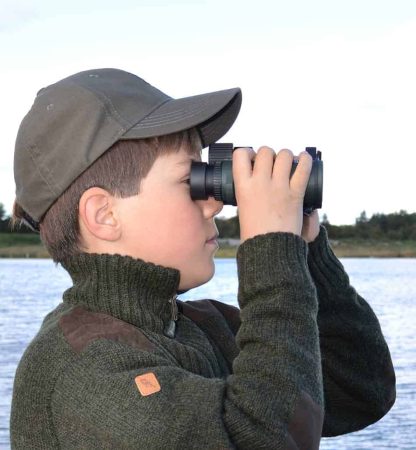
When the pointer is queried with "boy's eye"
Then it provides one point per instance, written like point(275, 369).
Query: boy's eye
point(187, 181)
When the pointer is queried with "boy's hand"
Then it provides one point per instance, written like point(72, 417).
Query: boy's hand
point(310, 229)
point(268, 201)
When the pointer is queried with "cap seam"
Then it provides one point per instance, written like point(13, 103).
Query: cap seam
point(107, 103)
point(157, 124)
point(168, 115)
point(151, 112)
point(30, 149)
point(114, 138)
point(203, 104)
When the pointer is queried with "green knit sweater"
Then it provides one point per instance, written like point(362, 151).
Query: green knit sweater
point(121, 364)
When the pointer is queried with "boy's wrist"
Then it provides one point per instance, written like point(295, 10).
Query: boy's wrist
point(324, 266)
point(268, 260)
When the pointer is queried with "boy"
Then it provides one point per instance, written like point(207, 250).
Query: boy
point(102, 166)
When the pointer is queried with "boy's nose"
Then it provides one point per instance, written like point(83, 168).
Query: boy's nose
point(211, 207)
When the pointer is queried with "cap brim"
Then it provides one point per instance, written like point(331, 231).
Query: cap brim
point(213, 114)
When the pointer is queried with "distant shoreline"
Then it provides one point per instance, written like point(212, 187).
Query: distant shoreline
point(27, 247)
point(349, 248)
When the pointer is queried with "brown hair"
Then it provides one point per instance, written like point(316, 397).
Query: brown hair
point(120, 171)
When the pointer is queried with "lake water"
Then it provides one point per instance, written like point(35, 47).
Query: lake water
point(29, 289)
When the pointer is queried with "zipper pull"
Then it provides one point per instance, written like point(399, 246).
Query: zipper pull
point(169, 331)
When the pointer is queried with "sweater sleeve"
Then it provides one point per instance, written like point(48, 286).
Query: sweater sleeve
point(358, 374)
point(273, 399)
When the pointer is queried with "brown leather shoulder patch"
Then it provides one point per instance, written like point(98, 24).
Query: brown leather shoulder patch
point(305, 427)
point(81, 327)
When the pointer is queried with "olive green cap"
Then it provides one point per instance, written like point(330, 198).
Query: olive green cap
point(74, 121)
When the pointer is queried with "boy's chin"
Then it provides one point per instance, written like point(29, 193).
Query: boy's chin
point(196, 281)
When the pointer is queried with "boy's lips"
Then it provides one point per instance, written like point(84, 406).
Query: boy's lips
point(213, 238)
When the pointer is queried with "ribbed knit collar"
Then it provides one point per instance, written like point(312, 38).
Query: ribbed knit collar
point(133, 290)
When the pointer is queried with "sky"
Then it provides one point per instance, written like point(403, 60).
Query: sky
point(336, 75)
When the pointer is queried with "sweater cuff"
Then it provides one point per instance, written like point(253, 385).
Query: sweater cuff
point(269, 260)
point(324, 266)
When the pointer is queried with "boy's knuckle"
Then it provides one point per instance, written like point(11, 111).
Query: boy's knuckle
point(306, 156)
point(265, 149)
point(285, 153)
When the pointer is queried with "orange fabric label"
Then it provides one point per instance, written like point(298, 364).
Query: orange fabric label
point(147, 384)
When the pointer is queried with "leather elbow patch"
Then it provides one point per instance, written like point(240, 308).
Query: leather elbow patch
point(305, 426)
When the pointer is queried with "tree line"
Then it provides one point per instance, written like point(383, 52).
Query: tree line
point(396, 226)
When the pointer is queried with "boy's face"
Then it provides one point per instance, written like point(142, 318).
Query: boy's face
point(163, 225)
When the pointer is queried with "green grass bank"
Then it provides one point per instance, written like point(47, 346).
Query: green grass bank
point(18, 245)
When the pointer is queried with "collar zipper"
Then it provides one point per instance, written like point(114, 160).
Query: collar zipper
point(170, 329)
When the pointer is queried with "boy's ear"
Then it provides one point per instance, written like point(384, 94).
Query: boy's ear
point(98, 214)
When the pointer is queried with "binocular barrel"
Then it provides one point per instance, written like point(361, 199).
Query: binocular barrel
point(215, 178)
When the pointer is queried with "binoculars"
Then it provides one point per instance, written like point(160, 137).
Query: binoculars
point(215, 178)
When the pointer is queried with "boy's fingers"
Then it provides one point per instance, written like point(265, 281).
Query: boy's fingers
point(264, 162)
point(282, 167)
point(300, 178)
point(242, 163)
